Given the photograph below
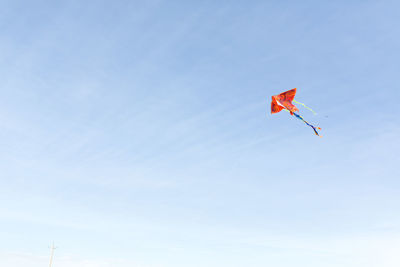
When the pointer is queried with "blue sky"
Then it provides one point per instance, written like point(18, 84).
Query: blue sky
point(139, 134)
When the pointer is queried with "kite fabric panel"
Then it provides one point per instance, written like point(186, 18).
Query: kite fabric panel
point(284, 101)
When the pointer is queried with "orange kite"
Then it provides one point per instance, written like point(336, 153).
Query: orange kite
point(284, 101)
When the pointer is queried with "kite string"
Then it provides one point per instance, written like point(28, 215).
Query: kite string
point(305, 106)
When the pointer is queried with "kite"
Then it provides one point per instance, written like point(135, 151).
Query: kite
point(284, 101)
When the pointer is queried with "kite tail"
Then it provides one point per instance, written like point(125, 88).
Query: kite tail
point(313, 127)
point(305, 106)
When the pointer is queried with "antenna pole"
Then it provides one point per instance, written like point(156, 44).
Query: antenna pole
point(52, 248)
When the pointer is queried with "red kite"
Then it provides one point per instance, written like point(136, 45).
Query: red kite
point(284, 101)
